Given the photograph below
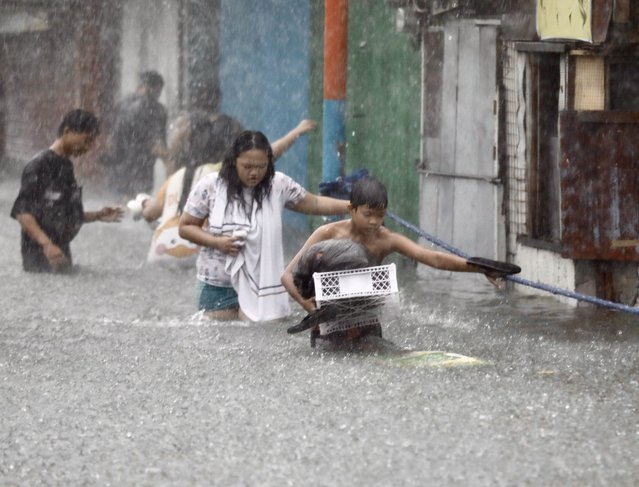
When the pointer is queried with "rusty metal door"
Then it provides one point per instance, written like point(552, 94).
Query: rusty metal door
point(599, 185)
point(461, 193)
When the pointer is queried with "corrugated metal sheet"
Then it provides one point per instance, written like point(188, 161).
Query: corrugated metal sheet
point(600, 185)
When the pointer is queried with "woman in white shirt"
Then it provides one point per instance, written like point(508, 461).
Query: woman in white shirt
point(194, 142)
point(241, 260)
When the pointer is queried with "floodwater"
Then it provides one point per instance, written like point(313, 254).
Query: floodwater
point(109, 377)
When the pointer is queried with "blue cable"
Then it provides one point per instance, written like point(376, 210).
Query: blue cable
point(516, 279)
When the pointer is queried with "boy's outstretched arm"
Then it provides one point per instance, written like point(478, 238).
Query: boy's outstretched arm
point(436, 259)
point(432, 258)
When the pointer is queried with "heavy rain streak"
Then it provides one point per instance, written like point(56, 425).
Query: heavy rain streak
point(124, 157)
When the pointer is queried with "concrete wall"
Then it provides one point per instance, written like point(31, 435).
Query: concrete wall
point(46, 69)
point(150, 41)
point(383, 104)
point(264, 71)
point(263, 64)
point(547, 267)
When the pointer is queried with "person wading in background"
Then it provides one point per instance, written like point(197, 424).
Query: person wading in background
point(138, 137)
point(49, 204)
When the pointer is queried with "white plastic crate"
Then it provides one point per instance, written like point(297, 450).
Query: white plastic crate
point(369, 281)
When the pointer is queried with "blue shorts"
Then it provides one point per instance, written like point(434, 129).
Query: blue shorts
point(213, 298)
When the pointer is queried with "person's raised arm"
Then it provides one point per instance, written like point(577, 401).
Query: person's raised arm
point(313, 204)
point(282, 144)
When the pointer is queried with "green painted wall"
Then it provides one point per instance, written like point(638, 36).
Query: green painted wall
point(383, 102)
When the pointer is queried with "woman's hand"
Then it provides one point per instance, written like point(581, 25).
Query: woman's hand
point(229, 245)
point(305, 126)
point(282, 144)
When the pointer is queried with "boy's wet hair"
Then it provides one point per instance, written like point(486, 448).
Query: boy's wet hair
point(369, 191)
point(81, 122)
point(152, 79)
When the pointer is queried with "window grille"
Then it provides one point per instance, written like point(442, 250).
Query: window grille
point(515, 143)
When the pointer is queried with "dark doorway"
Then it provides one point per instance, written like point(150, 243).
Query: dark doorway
point(544, 152)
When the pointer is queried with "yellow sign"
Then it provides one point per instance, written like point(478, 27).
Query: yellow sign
point(564, 19)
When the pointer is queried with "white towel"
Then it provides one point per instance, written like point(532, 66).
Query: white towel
point(256, 271)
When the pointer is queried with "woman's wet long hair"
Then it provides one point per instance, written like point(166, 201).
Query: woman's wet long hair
point(246, 141)
point(201, 130)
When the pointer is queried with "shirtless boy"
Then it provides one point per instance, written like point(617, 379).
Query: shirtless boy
point(367, 210)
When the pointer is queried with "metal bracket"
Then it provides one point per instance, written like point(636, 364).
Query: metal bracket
point(475, 177)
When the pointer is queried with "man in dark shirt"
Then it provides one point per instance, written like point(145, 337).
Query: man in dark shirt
point(138, 137)
point(49, 204)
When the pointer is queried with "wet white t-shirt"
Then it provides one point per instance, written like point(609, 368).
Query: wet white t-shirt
point(285, 193)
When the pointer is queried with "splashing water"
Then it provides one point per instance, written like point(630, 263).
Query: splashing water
point(109, 376)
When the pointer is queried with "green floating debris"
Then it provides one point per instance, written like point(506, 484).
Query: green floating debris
point(430, 358)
